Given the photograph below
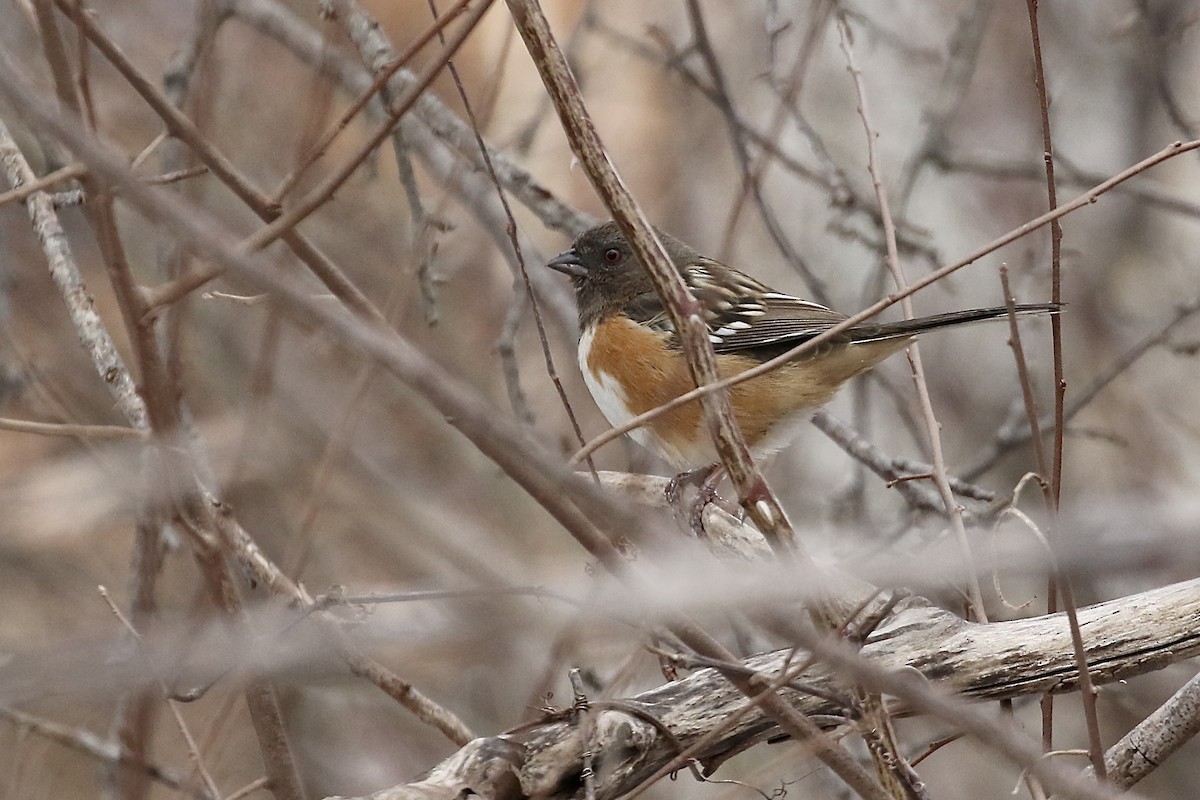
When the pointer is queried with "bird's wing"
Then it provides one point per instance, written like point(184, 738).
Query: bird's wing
point(745, 314)
point(741, 312)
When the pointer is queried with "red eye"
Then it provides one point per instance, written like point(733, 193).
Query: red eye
point(612, 255)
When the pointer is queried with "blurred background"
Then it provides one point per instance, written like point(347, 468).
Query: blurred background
point(347, 478)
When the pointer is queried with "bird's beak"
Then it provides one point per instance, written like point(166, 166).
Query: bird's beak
point(568, 263)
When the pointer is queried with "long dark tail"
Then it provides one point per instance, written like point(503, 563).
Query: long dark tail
point(877, 332)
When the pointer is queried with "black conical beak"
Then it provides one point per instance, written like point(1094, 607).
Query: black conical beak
point(568, 263)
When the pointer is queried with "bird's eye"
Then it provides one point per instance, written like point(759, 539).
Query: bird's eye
point(612, 255)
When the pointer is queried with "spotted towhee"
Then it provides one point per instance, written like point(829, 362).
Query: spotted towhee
point(632, 362)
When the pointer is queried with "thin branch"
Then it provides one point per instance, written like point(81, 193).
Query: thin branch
point(223, 169)
point(1061, 583)
point(278, 22)
point(724, 103)
point(268, 574)
point(962, 49)
point(845, 197)
point(19, 193)
point(563, 494)
point(840, 191)
point(379, 85)
point(99, 432)
point(166, 415)
point(1009, 169)
point(89, 327)
point(895, 470)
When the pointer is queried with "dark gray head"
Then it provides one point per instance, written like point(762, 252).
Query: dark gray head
point(607, 275)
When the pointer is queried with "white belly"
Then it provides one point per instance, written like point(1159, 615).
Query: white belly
point(610, 398)
point(607, 393)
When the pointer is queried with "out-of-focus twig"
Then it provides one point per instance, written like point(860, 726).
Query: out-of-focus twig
point(112, 432)
point(88, 743)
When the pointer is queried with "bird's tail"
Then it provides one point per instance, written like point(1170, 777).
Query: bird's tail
point(911, 327)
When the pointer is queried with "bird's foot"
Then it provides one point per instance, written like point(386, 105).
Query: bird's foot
point(705, 480)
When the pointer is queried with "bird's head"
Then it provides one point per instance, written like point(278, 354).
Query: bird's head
point(605, 271)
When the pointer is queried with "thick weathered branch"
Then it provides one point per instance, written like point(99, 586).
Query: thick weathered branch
point(1123, 638)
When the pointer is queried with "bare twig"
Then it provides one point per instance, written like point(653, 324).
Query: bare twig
point(19, 193)
point(962, 51)
point(583, 721)
point(379, 85)
point(1013, 169)
point(894, 470)
point(276, 21)
point(1063, 585)
point(440, 138)
point(839, 190)
point(524, 460)
point(724, 102)
point(267, 574)
point(175, 176)
point(100, 432)
point(166, 416)
point(844, 195)
point(89, 327)
point(895, 772)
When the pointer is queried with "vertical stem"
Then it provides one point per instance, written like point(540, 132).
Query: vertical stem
point(1060, 582)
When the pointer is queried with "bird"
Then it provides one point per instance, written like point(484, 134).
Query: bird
point(632, 360)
